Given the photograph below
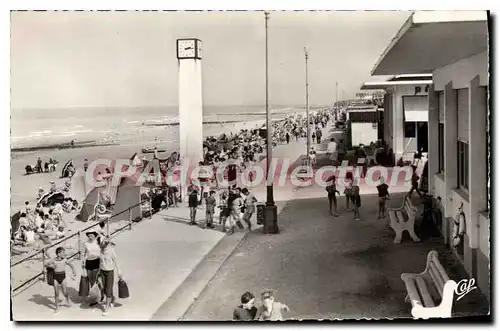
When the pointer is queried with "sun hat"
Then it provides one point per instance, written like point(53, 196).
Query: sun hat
point(92, 232)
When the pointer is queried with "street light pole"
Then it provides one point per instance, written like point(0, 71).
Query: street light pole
point(308, 127)
point(271, 211)
point(337, 93)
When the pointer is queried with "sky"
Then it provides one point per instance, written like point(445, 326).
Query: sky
point(121, 59)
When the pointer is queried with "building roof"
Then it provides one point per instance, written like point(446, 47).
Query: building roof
point(434, 39)
point(385, 85)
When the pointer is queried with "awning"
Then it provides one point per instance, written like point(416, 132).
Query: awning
point(388, 84)
point(416, 108)
point(416, 116)
point(434, 39)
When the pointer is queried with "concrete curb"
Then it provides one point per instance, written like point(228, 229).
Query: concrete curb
point(186, 294)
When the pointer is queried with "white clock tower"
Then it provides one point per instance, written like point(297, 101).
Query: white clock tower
point(190, 103)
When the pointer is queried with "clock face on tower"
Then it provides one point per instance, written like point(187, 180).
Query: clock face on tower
point(188, 49)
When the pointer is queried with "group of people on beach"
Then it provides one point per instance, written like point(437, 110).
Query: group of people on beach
point(40, 166)
point(39, 226)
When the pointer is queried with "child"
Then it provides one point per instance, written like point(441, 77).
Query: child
point(246, 311)
point(348, 189)
point(356, 199)
point(193, 203)
point(225, 212)
point(270, 309)
point(383, 196)
point(210, 209)
point(59, 264)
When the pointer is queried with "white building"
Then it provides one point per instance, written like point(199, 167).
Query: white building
point(453, 46)
point(406, 108)
point(362, 124)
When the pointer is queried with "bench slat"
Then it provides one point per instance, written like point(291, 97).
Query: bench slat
point(424, 292)
point(400, 216)
point(436, 278)
point(440, 268)
point(412, 290)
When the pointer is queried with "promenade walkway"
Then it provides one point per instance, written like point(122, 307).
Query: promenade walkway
point(160, 254)
point(326, 268)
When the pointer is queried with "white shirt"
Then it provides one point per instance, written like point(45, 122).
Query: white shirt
point(332, 147)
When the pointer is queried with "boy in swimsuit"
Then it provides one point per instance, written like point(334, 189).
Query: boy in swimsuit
point(60, 262)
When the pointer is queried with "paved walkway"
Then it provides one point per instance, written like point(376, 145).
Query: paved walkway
point(156, 256)
point(325, 267)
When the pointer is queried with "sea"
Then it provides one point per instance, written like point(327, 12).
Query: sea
point(37, 128)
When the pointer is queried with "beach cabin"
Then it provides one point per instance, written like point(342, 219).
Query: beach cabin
point(363, 124)
point(406, 104)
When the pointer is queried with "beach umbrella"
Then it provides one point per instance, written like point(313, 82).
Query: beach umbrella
point(65, 169)
point(51, 198)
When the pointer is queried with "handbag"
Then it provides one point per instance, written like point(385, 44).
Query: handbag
point(84, 287)
point(123, 292)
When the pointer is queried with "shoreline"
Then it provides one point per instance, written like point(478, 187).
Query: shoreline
point(94, 142)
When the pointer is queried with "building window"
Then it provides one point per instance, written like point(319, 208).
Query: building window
point(441, 148)
point(410, 130)
point(463, 165)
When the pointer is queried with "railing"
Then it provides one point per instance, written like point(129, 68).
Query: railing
point(44, 250)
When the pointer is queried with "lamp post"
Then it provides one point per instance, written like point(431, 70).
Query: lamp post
point(337, 93)
point(308, 125)
point(270, 211)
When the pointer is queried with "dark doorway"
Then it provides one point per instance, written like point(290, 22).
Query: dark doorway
point(422, 137)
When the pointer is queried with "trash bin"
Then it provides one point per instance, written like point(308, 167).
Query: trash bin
point(260, 213)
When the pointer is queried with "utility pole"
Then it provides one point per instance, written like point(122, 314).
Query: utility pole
point(270, 211)
point(308, 144)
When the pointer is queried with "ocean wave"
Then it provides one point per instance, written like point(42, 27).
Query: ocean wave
point(41, 132)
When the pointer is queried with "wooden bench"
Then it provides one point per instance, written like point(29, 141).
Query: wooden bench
point(430, 285)
point(403, 219)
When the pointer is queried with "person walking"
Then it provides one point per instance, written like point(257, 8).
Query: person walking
point(225, 212)
point(383, 196)
point(287, 136)
point(331, 188)
point(193, 204)
point(348, 181)
point(319, 134)
point(250, 201)
point(58, 265)
point(414, 182)
point(108, 265)
point(356, 199)
point(91, 261)
point(210, 210)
